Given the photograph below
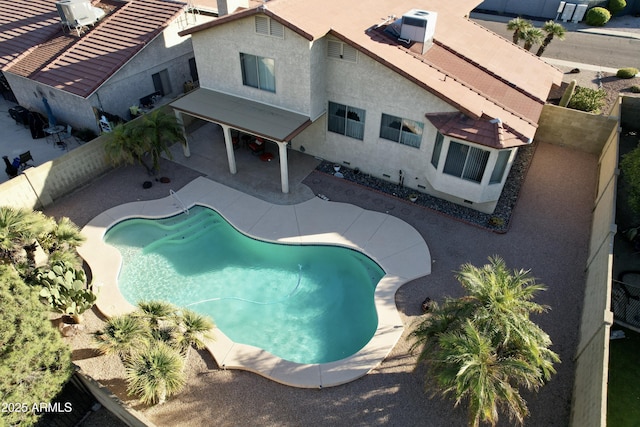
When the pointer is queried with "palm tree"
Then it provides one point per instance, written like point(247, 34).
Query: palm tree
point(482, 347)
point(552, 29)
point(531, 36)
point(123, 335)
point(155, 373)
point(518, 25)
point(159, 130)
point(20, 230)
point(193, 330)
point(122, 146)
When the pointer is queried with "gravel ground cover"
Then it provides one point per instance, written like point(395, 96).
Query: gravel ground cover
point(498, 221)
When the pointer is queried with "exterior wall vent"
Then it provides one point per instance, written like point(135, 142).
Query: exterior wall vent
point(418, 26)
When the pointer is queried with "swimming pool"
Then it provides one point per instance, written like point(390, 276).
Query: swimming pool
point(392, 243)
point(303, 303)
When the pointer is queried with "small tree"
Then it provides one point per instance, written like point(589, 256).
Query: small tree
point(483, 347)
point(518, 25)
point(630, 167)
point(553, 29)
point(34, 361)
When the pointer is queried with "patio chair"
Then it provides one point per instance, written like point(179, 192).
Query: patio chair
point(67, 135)
point(24, 158)
point(257, 146)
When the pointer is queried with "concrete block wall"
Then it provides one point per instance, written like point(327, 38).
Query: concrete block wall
point(589, 406)
point(572, 128)
point(110, 401)
point(40, 186)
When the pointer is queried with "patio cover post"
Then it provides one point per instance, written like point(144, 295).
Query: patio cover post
point(185, 146)
point(284, 165)
point(228, 142)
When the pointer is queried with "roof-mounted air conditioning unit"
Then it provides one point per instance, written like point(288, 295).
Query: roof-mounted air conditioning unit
point(78, 13)
point(418, 26)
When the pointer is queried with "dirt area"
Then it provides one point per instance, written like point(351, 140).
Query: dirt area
point(592, 79)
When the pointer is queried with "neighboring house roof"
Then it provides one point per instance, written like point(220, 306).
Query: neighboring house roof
point(469, 67)
point(24, 25)
point(79, 65)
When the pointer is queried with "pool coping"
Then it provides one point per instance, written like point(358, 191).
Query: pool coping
point(395, 245)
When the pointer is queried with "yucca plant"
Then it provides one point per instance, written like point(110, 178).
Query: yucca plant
point(155, 373)
point(156, 313)
point(122, 336)
point(192, 331)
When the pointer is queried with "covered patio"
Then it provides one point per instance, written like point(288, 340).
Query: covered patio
point(259, 123)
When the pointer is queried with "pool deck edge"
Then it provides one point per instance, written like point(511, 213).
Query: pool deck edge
point(395, 245)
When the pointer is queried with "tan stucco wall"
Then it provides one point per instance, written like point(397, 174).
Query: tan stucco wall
point(217, 52)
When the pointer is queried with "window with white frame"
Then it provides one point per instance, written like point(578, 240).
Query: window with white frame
point(466, 162)
point(258, 72)
point(437, 148)
point(346, 120)
point(500, 167)
point(340, 50)
point(403, 131)
point(267, 26)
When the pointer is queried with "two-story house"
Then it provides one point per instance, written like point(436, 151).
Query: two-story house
point(382, 86)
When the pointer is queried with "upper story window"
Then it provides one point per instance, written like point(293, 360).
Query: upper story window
point(339, 50)
point(258, 72)
point(466, 162)
point(269, 27)
point(500, 167)
point(346, 120)
point(403, 131)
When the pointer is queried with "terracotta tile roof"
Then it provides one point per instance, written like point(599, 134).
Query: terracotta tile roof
point(483, 131)
point(471, 68)
point(24, 25)
point(81, 65)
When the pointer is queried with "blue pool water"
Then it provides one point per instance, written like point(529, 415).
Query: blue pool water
point(303, 303)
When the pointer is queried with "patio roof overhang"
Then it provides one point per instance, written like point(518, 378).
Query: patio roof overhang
point(253, 117)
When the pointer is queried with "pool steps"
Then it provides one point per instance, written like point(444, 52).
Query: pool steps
point(185, 231)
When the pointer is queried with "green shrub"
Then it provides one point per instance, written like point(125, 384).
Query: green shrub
point(586, 99)
point(616, 6)
point(598, 16)
point(635, 89)
point(627, 73)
